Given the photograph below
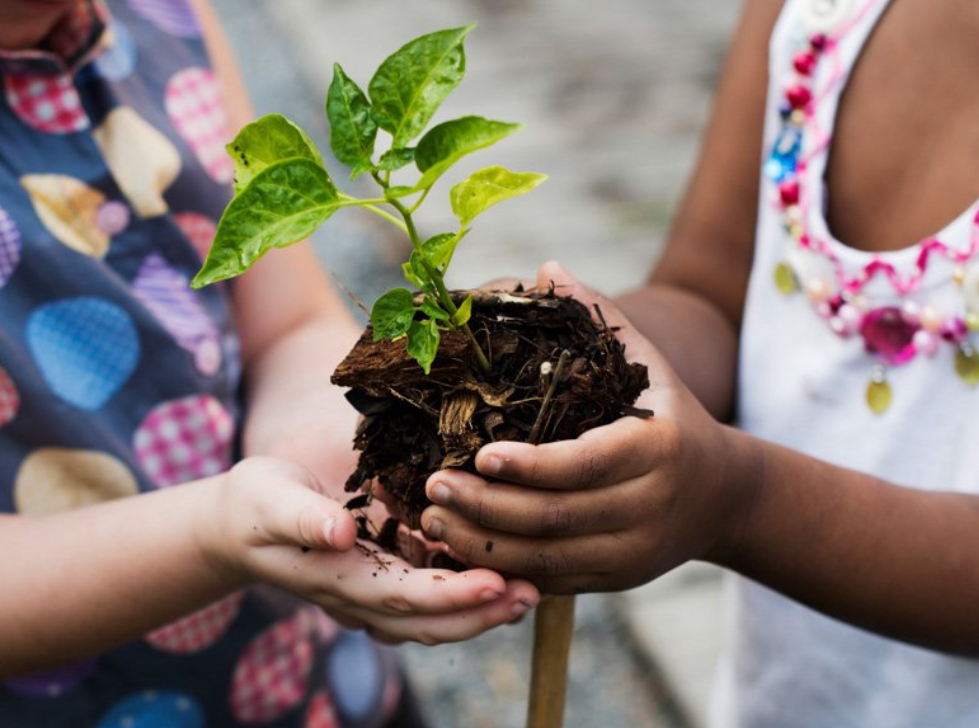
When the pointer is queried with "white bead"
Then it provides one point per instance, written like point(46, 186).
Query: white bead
point(931, 318)
point(850, 316)
point(911, 311)
point(817, 289)
point(925, 342)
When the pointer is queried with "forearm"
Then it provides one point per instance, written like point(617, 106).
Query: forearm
point(290, 398)
point(695, 337)
point(894, 560)
point(80, 582)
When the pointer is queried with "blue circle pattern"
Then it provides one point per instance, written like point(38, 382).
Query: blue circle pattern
point(153, 709)
point(86, 348)
point(118, 61)
point(355, 674)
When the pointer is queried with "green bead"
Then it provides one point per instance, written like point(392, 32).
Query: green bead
point(785, 279)
point(967, 365)
point(879, 396)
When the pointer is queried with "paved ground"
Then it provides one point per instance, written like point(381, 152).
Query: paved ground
point(613, 95)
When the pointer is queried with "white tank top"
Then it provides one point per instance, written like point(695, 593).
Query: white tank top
point(861, 359)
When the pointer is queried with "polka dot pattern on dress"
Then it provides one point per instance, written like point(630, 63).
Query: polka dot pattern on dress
point(69, 210)
point(10, 247)
point(320, 713)
point(199, 229)
point(167, 293)
point(271, 677)
point(47, 103)
point(54, 479)
point(184, 440)
point(151, 709)
point(173, 16)
point(118, 60)
point(196, 109)
point(51, 683)
point(199, 630)
point(9, 398)
point(86, 348)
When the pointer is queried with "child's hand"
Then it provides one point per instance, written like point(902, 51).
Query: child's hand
point(272, 523)
point(615, 508)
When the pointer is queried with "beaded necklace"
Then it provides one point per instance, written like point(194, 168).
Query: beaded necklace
point(895, 331)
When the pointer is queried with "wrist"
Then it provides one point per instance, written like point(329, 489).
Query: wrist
point(218, 544)
point(743, 486)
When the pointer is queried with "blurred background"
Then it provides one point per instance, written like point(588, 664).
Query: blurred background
point(614, 95)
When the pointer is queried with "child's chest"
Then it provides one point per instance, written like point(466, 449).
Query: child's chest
point(903, 162)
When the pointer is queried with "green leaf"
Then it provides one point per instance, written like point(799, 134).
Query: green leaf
point(281, 205)
point(395, 159)
point(417, 278)
point(267, 141)
point(447, 143)
point(440, 248)
point(487, 187)
point(411, 84)
point(392, 314)
point(423, 343)
point(434, 310)
point(352, 128)
point(462, 316)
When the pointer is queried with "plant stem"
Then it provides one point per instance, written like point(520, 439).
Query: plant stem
point(371, 205)
point(443, 293)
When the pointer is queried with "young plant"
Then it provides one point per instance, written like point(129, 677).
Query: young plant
point(283, 191)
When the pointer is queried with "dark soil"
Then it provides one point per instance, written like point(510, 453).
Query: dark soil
point(415, 424)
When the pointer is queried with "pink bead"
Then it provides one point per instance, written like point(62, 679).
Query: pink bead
point(925, 342)
point(850, 316)
point(824, 310)
point(789, 193)
point(804, 62)
point(887, 335)
point(798, 96)
point(954, 330)
point(818, 42)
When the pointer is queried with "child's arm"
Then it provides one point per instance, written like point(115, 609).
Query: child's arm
point(625, 503)
point(79, 582)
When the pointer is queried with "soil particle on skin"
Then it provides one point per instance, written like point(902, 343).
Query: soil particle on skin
point(415, 425)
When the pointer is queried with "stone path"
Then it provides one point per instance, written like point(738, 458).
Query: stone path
point(613, 96)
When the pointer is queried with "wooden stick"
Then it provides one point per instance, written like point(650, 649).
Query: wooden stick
point(553, 627)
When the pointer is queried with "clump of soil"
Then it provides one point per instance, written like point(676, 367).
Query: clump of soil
point(541, 346)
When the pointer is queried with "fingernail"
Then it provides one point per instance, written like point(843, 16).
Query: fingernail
point(434, 528)
point(328, 527)
point(441, 494)
point(493, 465)
point(521, 607)
point(490, 595)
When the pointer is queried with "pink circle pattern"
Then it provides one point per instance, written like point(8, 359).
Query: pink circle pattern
point(321, 713)
point(199, 229)
point(47, 103)
point(9, 399)
point(272, 674)
point(193, 102)
point(185, 439)
point(199, 630)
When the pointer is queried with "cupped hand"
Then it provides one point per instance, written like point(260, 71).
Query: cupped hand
point(273, 523)
point(618, 506)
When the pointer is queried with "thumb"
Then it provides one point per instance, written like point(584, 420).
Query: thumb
point(301, 514)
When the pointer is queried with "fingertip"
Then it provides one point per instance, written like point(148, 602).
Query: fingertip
point(340, 532)
point(495, 459)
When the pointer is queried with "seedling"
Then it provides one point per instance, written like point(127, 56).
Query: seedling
point(283, 191)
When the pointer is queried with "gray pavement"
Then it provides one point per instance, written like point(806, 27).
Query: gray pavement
point(613, 95)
